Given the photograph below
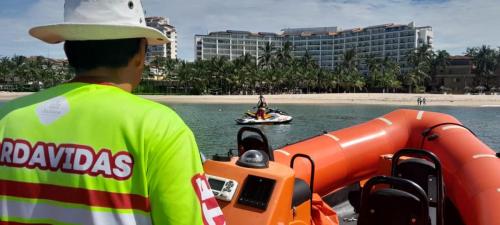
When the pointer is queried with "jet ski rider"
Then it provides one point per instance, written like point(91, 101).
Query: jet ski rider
point(261, 108)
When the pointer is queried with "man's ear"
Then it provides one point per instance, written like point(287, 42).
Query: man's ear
point(140, 57)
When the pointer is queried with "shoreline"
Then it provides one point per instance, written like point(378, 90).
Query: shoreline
point(334, 98)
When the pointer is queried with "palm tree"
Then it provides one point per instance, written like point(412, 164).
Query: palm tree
point(185, 75)
point(391, 73)
point(284, 54)
point(420, 60)
point(307, 73)
point(439, 61)
point(350, 75)
point(485, 63)
point(243, 67)
point(375, 71)
point(5, 68)
point(266, 56)
point(331, 80)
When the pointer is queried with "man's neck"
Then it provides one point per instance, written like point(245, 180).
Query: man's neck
point(115, 77)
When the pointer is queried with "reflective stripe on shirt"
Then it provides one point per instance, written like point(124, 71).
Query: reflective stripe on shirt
point(41, 211)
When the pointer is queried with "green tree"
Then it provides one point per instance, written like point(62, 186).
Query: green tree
point(390, 75)
point(266, 55)
point(420, 61)
point(439, 62)
point(350, 76)
point(485, 60)
point(5, 69)
point(284, 55)
point(375, 72)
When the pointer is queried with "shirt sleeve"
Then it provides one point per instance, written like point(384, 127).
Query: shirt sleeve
point(173, 160)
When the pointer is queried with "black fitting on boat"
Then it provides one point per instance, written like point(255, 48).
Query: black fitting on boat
point(427, 131)
point(498, 154)
point(221, 158)
point(432, 137)
point(426, 134)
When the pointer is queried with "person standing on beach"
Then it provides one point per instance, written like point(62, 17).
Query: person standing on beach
point(90, 152)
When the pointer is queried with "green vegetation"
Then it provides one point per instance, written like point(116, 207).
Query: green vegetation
point(276, 71)
point(486, 61)
point(20, 73)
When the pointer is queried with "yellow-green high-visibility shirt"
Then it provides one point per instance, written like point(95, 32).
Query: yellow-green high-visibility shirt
point(85, 153)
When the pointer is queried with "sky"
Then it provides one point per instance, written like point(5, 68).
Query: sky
point(457, 24)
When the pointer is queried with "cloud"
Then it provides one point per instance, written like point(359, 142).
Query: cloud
point(16, 22)
point(457, 24)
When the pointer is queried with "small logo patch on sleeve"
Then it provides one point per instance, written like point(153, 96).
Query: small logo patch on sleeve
point(211, 213)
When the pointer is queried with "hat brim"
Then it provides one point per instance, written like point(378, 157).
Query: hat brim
point(58, 33)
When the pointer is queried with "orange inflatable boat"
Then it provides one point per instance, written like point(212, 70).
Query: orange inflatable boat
point(407, 167)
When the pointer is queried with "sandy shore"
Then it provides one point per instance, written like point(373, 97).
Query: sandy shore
point(360, 98)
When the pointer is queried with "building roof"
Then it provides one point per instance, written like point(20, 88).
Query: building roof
point(243, 32)
point(459, 57)
point(159, 21)
point(310, 30)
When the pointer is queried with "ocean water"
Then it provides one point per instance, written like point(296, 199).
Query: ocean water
point(215, 128)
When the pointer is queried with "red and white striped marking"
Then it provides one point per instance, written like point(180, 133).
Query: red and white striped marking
point(282, 152)
point(388, 122)
point(453, 127)
point(480, 156)
point(69, 215)
point(420, 115)
point(333, 137)
point(363, 139)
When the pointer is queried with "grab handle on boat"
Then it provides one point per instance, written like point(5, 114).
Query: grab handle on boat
point(311, 181)
point(266, 147)
point(434, 159)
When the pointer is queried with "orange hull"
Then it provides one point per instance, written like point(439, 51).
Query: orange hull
point(342, 157)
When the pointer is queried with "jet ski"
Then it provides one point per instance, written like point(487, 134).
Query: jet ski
point(272, 116)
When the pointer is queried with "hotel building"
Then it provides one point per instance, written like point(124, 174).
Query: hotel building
point(168, 50)
point(232, 44)
point(325, 44)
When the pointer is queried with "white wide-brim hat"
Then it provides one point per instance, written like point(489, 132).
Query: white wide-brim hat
point(100, 20)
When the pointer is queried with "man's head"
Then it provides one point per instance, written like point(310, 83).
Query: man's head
point(88, 55)
point(102, 36)
point(123, 58)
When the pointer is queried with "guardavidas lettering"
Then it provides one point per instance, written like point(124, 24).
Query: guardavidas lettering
point(68, 158)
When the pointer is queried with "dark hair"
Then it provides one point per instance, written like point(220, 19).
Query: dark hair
point(88, 55)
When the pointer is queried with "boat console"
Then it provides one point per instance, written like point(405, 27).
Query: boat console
point(249, 196)
point(253, 189)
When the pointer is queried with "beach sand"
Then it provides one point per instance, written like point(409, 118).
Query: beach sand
point(349, 98)
point(342, 98)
